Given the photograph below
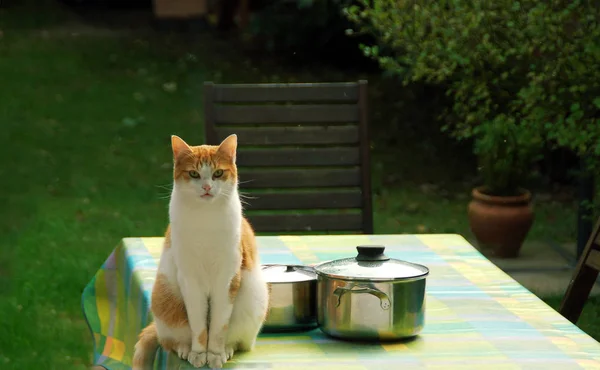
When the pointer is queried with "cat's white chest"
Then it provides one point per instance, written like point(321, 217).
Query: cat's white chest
point(208, 236)
point(205, 241)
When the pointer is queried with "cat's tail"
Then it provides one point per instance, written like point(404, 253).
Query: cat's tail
point(145, 348)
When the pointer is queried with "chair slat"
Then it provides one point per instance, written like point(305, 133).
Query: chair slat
point(298, 157)
point(292, 137)
point(306, 222)
point(253, 114)
point(302, 135)
point(299, 178)
point(584, 278)
point(304, 200)
point(299, 92)
point(593, 260)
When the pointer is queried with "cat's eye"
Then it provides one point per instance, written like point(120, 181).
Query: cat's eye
point(194, 174)
point(218, 173)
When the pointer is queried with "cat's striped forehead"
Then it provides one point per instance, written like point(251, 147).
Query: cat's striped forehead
point(201, 156)
point(206, 155)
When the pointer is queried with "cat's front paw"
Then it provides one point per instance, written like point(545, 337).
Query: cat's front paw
point(229, 351)
point(197, 359)
point(216, 360)
point(183, 351)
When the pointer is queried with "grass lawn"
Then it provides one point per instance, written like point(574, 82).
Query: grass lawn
point(86, 119)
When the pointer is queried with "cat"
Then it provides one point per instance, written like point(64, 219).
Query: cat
point(210, 298)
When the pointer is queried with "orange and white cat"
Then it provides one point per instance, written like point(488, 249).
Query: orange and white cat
point(209, 298)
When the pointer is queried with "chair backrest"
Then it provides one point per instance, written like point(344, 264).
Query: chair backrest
point(584, 278)
point(303, 154)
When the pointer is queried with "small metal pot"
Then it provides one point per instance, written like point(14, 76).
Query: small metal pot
point(371, 296)
point(292, 298)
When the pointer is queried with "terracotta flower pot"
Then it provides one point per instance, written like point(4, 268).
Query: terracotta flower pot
point(500, 224)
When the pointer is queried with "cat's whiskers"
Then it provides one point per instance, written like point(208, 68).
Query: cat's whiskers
point(243, 198)
point(168, 188)
point(229, 194)
point(245, 195)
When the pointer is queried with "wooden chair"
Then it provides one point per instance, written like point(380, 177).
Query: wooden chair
point(584, 278)
point(303, 154)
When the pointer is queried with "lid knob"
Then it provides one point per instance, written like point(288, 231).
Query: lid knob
point(371, 253)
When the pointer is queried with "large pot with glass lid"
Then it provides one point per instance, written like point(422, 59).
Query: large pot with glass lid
point(371, 296)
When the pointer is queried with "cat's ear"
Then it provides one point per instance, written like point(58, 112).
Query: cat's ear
point(228, 147)
point(179, 146)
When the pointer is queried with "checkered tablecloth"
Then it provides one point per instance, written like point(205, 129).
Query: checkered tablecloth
point(477, 317)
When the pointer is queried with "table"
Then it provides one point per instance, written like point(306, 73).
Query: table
point(477, 317)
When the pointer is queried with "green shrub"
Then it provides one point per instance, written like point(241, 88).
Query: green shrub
point(527, 72)
point(506, 150)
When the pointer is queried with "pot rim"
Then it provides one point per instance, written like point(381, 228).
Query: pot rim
point(310, 281)
point(374, 280)
point(305, 268)
point(478, 194)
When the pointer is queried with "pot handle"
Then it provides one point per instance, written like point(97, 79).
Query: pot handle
point(384, 300)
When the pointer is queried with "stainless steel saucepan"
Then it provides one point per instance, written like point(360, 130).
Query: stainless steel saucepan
point(371, 296)
point(292, 298)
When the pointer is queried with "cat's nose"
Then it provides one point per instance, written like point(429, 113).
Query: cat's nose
point(206, 187)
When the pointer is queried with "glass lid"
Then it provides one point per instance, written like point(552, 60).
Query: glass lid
point(288, 273)
point(371, 263)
